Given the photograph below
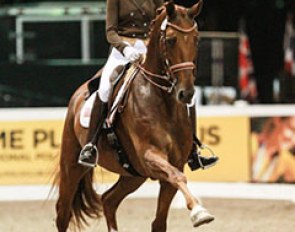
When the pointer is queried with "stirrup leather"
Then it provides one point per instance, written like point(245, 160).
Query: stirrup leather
point(86, 153)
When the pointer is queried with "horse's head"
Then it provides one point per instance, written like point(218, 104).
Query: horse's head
point(174, 43)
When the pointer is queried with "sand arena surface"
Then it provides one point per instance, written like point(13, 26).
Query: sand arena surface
point(136, 215)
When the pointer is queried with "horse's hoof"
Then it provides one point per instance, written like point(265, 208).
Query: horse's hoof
point(200, 216)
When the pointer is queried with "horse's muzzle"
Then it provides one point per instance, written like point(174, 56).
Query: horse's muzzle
point(185, 95)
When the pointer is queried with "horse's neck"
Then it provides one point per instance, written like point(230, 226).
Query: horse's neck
point(153, 64)
point(155, 102)
point(157, 97)
point(153, 60)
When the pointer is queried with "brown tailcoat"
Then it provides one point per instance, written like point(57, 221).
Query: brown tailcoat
point(129, 18)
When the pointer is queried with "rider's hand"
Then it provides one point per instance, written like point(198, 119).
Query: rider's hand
point(131, 53)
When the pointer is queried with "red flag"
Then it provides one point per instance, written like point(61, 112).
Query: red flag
point(246, 82)
point(289, 65)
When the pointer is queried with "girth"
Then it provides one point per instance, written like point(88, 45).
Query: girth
point(122, 157)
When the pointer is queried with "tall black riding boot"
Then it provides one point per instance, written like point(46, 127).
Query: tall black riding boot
point(196, 160)
point(89, 154)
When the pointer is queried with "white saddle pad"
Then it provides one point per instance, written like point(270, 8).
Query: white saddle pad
point(86, 111)
point(87, 107)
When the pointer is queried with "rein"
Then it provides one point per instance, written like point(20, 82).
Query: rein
point(170, 69)
point(147, 73)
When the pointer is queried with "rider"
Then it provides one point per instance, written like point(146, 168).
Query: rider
point(127, 28)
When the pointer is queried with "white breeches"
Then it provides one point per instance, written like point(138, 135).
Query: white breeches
point(114, 60)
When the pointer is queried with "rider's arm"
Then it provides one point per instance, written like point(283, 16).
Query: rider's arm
point(112, 19)
point(130, 21)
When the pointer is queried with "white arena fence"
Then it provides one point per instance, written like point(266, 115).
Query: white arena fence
point(225, 128)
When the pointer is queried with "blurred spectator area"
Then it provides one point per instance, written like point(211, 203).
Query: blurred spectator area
point(50, 48)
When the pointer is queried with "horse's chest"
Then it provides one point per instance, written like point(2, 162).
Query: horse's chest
point(145, 92)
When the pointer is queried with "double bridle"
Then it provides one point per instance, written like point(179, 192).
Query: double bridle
point(170, 70)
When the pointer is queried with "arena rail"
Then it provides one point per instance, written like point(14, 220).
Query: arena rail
point(29, 144)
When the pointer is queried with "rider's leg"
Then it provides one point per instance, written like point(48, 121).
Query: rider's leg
point(89, 153)
point(196, 160)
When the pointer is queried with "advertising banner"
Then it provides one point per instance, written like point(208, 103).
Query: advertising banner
point(273, 149)
point(29, 151)
point(255, 145)
point(228, 138)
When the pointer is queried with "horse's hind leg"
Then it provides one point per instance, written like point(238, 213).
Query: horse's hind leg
point(114, 196)
point(167, 192)
point(70, 174)
point(66, 196)
point(69, 182)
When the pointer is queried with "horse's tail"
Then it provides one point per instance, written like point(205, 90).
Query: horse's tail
point(86, 201)
point(78, 199)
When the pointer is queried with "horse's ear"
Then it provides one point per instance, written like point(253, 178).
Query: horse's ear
point(195, 10)
point(170, 9)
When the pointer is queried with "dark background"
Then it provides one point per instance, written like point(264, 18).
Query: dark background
point(265, 24)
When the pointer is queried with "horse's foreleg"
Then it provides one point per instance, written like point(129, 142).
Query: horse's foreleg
point(114, 196)
point(199, 215)
point(161, 169)
point(167, 192)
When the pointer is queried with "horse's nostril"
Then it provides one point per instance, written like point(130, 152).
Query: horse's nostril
point(191, 93)
point(181, 94)
point(185, 95)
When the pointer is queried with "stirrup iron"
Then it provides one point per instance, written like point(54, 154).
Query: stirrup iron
point(212, 154)
point(88, 150)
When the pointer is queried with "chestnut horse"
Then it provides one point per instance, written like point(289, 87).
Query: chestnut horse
point(154, 130)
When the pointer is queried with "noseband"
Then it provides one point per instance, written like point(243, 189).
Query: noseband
point(170, 70)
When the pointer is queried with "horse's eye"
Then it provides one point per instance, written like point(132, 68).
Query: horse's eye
point(171, 40)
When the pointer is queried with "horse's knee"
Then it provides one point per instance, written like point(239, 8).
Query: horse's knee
point(176, 177)
point(180, 177)
point(160, 168)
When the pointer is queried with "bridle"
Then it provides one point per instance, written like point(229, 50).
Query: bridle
point(170, 70)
